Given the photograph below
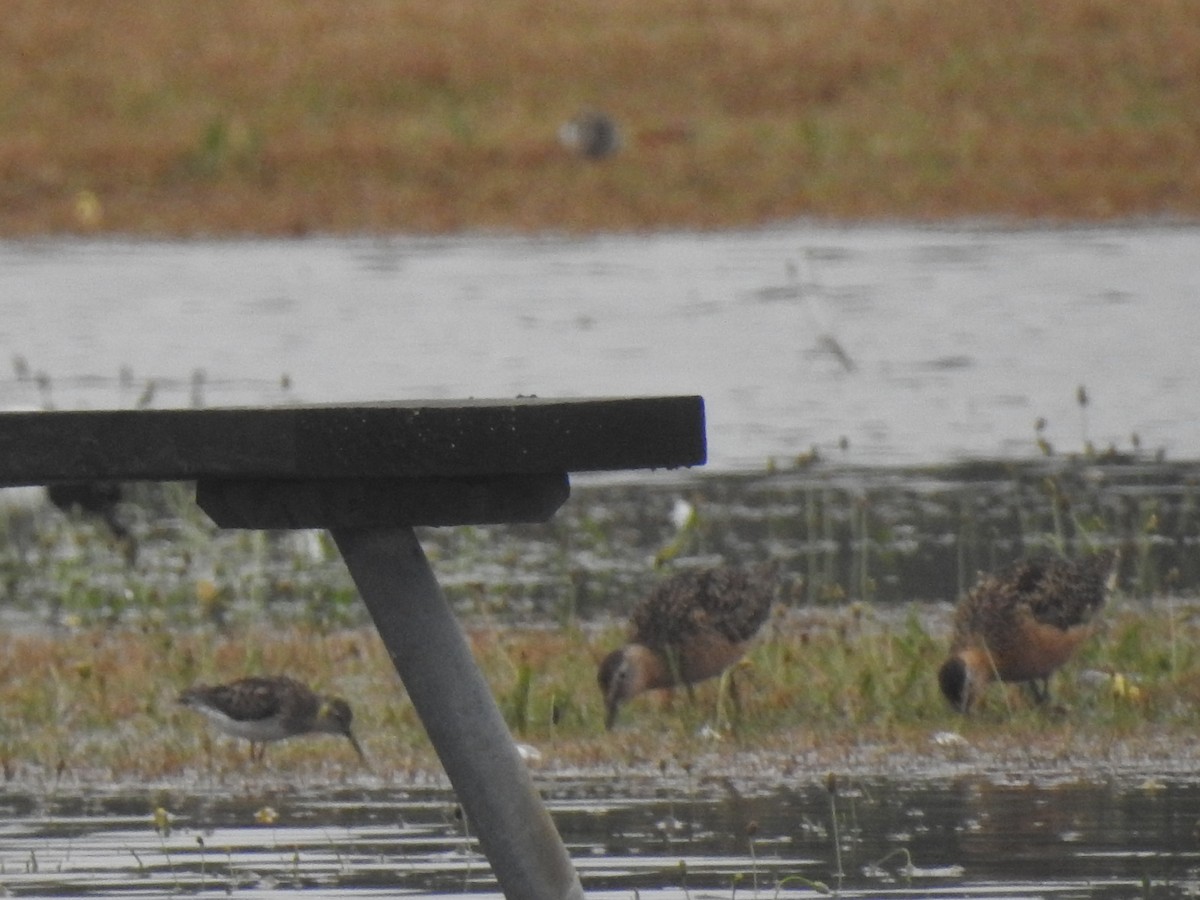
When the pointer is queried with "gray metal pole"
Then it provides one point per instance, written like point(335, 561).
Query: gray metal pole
point(458, 711)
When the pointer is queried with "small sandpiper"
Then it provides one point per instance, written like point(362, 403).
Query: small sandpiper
point(1023, 623)
point(692, 626)
point(262, 709)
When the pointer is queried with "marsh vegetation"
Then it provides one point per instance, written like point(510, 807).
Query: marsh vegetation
point(97, 646)
point(440, 116)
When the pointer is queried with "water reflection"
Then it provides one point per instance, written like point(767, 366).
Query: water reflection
point(898, 344)
point(665, 838)
point(981, 837)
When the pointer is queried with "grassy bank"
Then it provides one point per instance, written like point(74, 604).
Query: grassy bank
point(97, 640)
point(822, 690)
point(178, 118)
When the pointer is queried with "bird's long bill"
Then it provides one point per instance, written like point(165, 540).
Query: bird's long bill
point(354, 743)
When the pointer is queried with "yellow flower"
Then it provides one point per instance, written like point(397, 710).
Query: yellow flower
point(1124, 689)
point(162, 820)
point(88, 211)
point(266, 816)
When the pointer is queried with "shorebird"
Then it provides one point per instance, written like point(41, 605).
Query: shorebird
point(271, 708)
point(1022, 624)
point(692, 626)
point(591, 134)
point(100, 499)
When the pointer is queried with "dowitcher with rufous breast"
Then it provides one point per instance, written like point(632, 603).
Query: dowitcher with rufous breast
point(691, 626)
point(1022, 624)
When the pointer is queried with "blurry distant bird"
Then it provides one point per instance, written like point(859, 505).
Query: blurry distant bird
point(1022, 624)
point(692, 626)
point(262, 709)
point(101, 499)
point(591, 134)
point(97, 498)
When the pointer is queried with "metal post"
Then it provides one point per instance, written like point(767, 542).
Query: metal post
point(458, 711)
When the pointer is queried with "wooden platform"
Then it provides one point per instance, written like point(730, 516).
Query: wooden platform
point(412, 439)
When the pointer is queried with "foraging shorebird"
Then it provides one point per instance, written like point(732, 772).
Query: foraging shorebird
point(265, 709)
point(101, 499)
point(1022, 624)
point(591, 134)
point(692, 626)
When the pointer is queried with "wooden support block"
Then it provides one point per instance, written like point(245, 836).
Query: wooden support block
point(376, 502)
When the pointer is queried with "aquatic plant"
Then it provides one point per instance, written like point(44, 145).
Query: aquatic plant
point(831, 787)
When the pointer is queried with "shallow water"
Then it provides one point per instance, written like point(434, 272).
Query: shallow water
point(671, 839)
point(913, 345)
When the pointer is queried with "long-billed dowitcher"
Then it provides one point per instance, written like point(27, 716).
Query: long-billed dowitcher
point(262, 709)
point(1022, 624)
point(692, 626)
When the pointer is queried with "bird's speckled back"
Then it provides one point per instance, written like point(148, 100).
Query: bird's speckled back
point(256, 698)
point(1058, 592)
point(732, 601)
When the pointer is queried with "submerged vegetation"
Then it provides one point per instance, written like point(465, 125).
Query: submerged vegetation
point(101, 635)
point(441, 116)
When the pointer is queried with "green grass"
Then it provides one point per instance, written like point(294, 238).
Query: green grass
point(98, 703)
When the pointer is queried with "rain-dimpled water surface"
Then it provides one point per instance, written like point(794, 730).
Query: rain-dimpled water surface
point(675, 839)
point(903, 345)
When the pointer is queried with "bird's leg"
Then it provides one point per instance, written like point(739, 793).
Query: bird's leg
point(734, 697)
point(724, 687)
point(673, 663)
point(1040, 688)
point(727, 686)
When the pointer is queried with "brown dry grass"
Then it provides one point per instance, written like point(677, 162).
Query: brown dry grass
point(178, 117)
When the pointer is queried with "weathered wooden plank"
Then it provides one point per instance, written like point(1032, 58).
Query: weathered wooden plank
point(415, 439)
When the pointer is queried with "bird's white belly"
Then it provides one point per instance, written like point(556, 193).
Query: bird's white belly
point(257, 730)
